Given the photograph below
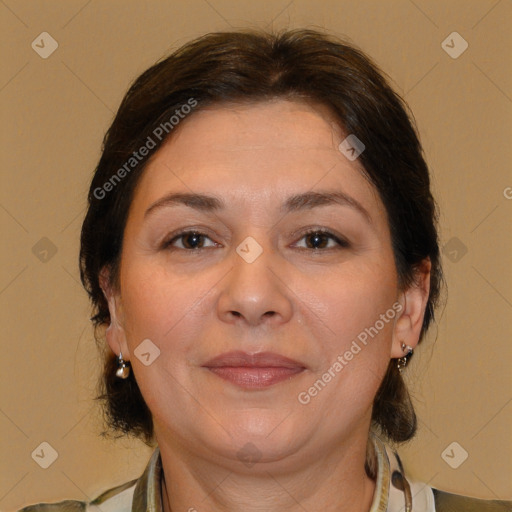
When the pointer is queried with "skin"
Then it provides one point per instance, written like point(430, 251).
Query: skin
point(304, 303)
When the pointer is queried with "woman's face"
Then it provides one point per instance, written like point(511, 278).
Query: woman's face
point(321, 310)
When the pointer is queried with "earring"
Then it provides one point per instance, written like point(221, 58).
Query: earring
point(401, 362)
point(123, 370)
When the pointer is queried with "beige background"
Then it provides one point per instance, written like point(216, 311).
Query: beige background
point(55, 112)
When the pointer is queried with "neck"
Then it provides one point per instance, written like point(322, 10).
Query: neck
point(335, 482)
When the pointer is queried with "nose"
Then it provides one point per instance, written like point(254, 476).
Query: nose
point(255, 292)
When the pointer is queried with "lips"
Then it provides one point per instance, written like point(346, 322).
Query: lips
point(253, 371)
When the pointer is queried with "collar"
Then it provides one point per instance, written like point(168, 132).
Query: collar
point(393, 491)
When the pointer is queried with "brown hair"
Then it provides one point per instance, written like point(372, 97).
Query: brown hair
point(250, 66)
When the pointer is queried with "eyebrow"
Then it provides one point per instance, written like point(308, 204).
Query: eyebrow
point(297, 202)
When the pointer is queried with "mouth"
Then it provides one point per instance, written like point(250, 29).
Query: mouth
point(254, 371)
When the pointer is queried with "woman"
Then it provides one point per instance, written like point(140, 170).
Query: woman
point(261, 247)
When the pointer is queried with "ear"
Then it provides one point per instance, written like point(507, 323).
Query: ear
point(413, 300)
point(115, 334)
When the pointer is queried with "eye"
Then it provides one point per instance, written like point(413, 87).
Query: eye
point(316, 239)
point(191, 240)
point(319, 239)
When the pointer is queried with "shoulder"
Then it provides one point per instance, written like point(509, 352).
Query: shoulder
point(64, 506)
point(117, 499)
point(424, 498)
point(138, 494)
point(448, 502)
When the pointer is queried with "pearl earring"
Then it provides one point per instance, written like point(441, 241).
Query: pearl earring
point(123, 370)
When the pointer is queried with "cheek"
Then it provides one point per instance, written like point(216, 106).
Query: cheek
point(357, 319)
point(147, 306)
point(355, 354)
point(353, 299)
point(166, 308)
point(163, 309)
point(359, 349)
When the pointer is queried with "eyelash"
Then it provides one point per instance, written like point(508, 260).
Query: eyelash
point(342, 244)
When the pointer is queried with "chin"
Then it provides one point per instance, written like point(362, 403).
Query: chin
point(259, 436)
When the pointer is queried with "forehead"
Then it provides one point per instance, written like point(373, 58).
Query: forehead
point(265, 126)
point(271, 122)
point(255, 151)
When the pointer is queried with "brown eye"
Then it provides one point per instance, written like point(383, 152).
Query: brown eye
point(193, 240)
point(190, 240)
point(319, 239)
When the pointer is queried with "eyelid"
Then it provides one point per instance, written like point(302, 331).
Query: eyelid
point(176, 235)
point(341, 241)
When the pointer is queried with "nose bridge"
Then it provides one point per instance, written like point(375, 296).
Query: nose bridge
point(255, 289)
point(252, 264)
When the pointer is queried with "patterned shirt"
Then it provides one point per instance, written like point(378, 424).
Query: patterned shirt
point(393, 493)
